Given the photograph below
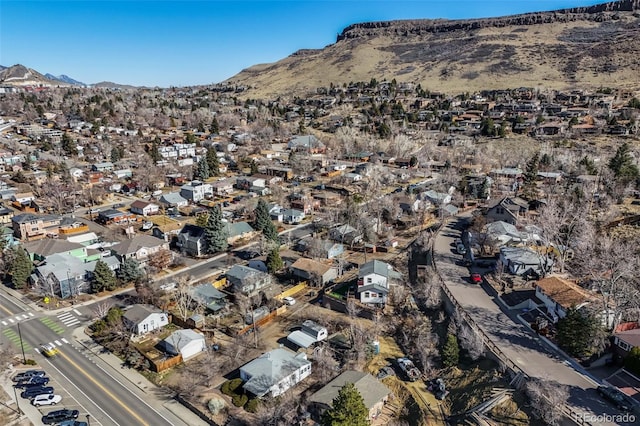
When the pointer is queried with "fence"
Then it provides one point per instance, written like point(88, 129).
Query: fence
point(262, 321)
point(291, 291)
point(160, 365)
point(513, 367)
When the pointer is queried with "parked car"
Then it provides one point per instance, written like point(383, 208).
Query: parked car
point(46, 399)
point(73, 423)
point(461, 249)
point(33, 381)
point(289, 300)
point(615, 396)
point(26, 375)
point(58, 416)
point(476, 278)
point(34, 391)
point(385, 372)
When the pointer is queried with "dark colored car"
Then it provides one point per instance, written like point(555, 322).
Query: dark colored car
point(614, 396)
point(26, 375)
point(34, 391)
point(58, 416)
point(73, 423)
point(385, 372)
point(33, 381)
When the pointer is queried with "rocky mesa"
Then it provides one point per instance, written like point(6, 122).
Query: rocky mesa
point(581, 47)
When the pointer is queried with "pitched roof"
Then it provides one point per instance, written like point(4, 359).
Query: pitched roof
point(241, 272)
point(271, 367)
point(566, 293)
point(379, 268)
point(173, 198)
point(311, 266)
point(138, 312)
point(30, 217)
point(370, 388)
point(181, 338)
point(631, 337)
point(49, 246)
point(192, 231)
point(136, 243)
point(140, 204)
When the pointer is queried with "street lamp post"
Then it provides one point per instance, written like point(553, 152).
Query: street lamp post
point(15, 393)
point(88, 420)
point(24, 358)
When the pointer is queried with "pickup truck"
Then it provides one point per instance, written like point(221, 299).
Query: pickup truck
point(409, 369)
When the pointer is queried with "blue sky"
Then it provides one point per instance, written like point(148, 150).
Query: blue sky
point(179, 43)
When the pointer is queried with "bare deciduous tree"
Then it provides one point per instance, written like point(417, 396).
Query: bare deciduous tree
point(183, 297)
point(101, 309)
point(547, 400)
point(471, 341)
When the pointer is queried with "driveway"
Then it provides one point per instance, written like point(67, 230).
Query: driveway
point(516, 341)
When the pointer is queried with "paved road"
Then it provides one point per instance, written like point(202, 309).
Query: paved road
point(513, 338)
point(97, 389)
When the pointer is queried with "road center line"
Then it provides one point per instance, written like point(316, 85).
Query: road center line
point(105, 390)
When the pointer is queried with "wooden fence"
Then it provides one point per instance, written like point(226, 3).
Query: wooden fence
point(291, 291)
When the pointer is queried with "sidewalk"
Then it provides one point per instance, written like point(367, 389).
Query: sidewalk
point(148, 390)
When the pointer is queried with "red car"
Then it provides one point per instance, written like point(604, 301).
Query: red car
point(476, 278)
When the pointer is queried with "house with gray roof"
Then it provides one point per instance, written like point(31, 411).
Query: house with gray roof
point(64, 275)
point(523, 261)
point(374, 278)
point(311, 332)
point(373, 392)
point(308, 143)
point(191, 240)
point(173, 199)
point(505, 233)
point(140, 248)
point(39, 250)
point(210, 297)
point(247, 280)
point(274, 372)
point(188, 343)
point(143, 319)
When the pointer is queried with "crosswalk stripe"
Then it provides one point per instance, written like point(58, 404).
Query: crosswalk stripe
point(57, 342)
point(25, 316)
point(77, 312)
point(4, 323)
point(64, 340)
point(11, 320)
point(31, 314)
point(37, 350)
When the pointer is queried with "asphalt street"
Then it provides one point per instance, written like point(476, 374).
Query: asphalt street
point(516, 341)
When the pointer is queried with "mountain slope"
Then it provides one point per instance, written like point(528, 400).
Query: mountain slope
point(64, 79)
point(19, 75)
point(582, 47)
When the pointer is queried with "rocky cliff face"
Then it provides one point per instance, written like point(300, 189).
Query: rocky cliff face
point(597, 13)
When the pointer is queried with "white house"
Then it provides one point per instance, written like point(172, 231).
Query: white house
point(373, 282)
point(143, 319)
point(560, 295)
point(144, 208)
point(274, 372)
point(187, 343)
point(196, 191)
point(310, 333)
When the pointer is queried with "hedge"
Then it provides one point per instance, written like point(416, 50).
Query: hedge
point(252, 405)
point(239, 400)
point(230, 386)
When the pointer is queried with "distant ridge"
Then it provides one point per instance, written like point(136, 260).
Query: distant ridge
point(64, 79)
point(584, 47)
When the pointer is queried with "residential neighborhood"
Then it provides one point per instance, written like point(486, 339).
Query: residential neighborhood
point(261, 258)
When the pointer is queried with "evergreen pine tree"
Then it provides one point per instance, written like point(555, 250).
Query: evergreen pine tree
point(215, 233)
point(274, 261)
point(262, 217)
point(270, 232)
point(154, 153)
point(203, 172)
point(622, 165)
point(103, 278)
point(254, 167)
point(451, 352)
point(212, 160)
point(215, 128)
point(68, 146)
point(529, 190)
point(347, 409)
point(579, 333)
point(130, 270)
point(20, 268)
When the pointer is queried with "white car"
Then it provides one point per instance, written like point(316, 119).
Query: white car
point(289, 300)
point(46, 399)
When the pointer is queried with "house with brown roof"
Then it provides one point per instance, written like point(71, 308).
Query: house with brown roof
point(312, 270)
point(144, 208)
point(559, 295)
point(626, 339)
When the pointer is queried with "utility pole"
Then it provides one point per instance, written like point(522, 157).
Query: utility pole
point(24, 358)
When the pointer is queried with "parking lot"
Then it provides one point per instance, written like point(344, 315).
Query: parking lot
point(67, 402)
